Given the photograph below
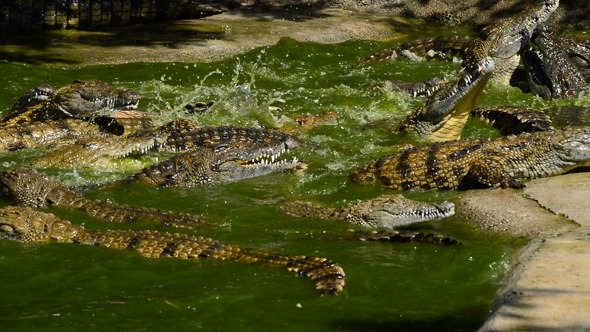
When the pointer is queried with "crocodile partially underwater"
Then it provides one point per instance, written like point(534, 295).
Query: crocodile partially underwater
point(555, 66)
point(28, 187)
point(81, 99)
point(493, 162)
point(23, 224)
point(50, 118)
point(445, 114)
point(95, 14)
point(385, 211)
point(221, 163)
point(204, 155)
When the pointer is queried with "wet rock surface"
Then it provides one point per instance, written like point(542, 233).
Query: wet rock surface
point(548, 287)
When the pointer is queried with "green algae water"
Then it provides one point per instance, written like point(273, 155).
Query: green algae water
point(402, 287)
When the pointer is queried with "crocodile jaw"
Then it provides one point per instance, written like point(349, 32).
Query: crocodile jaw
point(394, 214)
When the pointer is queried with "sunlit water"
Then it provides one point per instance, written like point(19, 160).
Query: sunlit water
point(388, 286)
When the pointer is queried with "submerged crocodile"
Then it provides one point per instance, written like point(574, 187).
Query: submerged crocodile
point(445, 114)
point(24, 224)
point(496, 162)
point(28, 187)
point(81, 99)
point(387, 211)
point(94, 14)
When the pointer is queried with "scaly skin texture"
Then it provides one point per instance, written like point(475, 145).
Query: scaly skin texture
point(26, 225)
point(446, 111)
point(225, 158)
point(86, 14)
point(445, 114)
point(47, 134)
point(30, 188)
point(498, 162)
point(387, 211)
point(553, 69)
point(504, 39)
point(514, 120)
point(81, 99)
point(93, 152)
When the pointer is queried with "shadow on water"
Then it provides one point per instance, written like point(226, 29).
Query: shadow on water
point(50, 46)
point(445, 323)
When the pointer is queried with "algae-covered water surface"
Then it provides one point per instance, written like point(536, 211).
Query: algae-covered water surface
point(388, 286)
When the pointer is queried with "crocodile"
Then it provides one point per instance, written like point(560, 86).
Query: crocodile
point(48, 134)
point(221, 163)
point(207, 155)
point(445, 113)
point(96, 14)
point(514, 120)
point(81, 99)
point(28, 187)
point(24, 224)
point(386, 211)
point(556, 67)
point(476, 163)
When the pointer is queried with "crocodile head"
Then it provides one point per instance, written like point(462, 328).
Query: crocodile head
point(231, 154)
point(572, 147)
point(445, 113)
point(23, 224)
point(250, 159)
point(553, 66)
point(33, 97)
point(395, 210)
point(92, 98)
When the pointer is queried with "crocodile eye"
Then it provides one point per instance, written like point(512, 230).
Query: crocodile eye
point(220, 148)
point(5, 228)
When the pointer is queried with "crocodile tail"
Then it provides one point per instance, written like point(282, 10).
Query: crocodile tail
point(327, 275)
point(402, 237)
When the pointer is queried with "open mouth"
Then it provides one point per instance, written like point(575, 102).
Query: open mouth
point(130, 105)
point(261, 162)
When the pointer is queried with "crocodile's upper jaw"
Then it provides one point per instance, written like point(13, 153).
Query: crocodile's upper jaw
point(93, 98)
point(394, 214)
point(239, 163)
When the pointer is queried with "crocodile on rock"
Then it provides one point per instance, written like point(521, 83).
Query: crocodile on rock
point(96, 14)
point(23, 224)
point(388, 211)
point(495, 162)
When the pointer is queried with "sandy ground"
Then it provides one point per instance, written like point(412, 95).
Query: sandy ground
point(548, 288)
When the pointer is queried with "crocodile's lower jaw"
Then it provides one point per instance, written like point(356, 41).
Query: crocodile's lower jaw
point(454, 122)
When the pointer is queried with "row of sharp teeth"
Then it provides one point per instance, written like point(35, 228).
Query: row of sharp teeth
point(261, 161)
point(141, 150)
